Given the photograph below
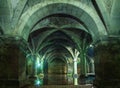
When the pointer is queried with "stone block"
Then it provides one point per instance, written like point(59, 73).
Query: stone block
point(107, 63)
point(12, 62)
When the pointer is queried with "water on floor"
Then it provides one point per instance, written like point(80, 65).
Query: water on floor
point(63, 79)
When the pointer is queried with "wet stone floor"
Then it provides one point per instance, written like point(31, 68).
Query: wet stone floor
point(61, 81)
point(65, 79)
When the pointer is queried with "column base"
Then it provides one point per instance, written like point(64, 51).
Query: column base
point(75, 79)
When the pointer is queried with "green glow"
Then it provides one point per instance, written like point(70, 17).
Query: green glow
point(42, 62)
point(38, 65)
point(38, 82)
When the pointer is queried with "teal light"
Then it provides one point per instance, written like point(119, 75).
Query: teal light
point(37, 82)
point(38, 65)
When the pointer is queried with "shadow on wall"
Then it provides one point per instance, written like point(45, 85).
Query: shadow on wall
point(1, 31)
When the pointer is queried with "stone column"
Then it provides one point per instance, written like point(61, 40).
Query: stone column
point(83, 65)
point(75, 73)
point(32, 67)
point(107, 63)
point(12, 61)
point(92, 66)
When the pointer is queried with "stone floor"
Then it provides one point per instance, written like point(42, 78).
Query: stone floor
point(60, 81)
point(64, 79)
point(67, 86)
point(50, 81)
point(60, 86)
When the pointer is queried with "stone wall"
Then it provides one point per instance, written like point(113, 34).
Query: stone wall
point(107, 63)
point(12, 61)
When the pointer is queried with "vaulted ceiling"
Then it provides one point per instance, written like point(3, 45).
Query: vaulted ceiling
point(53, 27)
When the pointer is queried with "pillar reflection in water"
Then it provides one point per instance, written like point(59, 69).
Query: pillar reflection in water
point(57, 74)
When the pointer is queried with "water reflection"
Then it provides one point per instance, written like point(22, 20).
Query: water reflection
point(63, 79)
point(58, 79)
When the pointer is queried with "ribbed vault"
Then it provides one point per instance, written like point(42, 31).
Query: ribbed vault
point(89, 21)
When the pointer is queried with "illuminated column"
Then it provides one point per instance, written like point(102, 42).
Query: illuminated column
point(42, 63)
point(75, 55)
point(92, 66)
point(35, 65)
point(31, 66)
point(75, 74)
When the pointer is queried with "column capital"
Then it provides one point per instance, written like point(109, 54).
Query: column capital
point(75, 60)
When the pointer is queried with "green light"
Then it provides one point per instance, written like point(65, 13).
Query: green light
point(37, 82)
point(38, 65)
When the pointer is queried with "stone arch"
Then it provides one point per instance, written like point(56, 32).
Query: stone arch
point(85, 14)
point(70, 23)
point(52, 50)
point(49, 32)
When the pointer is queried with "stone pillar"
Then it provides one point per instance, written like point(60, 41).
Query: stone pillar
point(45, 71)
point(32, 67)
point(12, 61)
point(83, 65)
point(75, 73)
point(92, 66)
point(107, 63)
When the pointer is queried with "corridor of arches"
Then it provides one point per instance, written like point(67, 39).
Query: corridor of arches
point(59, 43)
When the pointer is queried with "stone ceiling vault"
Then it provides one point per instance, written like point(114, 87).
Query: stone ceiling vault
point(55, 25)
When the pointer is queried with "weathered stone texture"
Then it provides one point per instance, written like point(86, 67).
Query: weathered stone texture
point(12, 61)
point(107, 64)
